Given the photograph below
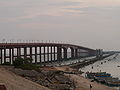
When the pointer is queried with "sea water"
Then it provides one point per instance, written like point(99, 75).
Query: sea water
point(110, 65)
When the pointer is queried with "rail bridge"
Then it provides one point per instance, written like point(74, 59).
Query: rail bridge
point(42, 52)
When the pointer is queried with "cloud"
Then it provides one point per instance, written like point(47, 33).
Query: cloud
point(90, 22)
point(28, 9)
point(66, 3)
point(110, 11)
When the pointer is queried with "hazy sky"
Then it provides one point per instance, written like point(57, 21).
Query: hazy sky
point(90, 23)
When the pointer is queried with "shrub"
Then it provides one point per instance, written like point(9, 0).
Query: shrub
point(29, 67)
point(28, 61)
point(18, 62)
point(7, 63)
point(25, 64)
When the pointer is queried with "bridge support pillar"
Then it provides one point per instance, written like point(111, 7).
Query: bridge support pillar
point(4, 55)
point(40, 53)
point(54, 54)
point(31, 52)
point(65, 53)
point(48, 53)
point(76, 53)
point(18, 52)
point(44, 54)
point(72, 53)
point(79, 53)
point(59, 53)
point(10, 56)
point(51, 53)
point(35, 55)
point(25, 52)
point(1, 56)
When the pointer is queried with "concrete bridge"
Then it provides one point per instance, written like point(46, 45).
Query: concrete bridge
point(42, 52)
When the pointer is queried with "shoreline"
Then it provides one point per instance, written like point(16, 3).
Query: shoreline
point(76, 67)
point(81, 83)
point(88, 62)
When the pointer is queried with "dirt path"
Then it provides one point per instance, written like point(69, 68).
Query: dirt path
point(15, 82)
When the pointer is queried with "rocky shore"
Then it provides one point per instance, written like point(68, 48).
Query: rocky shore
point(47, 76)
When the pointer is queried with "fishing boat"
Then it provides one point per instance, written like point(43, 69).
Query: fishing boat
point(113, 82)
point(104, 78)
point(90, 75)
point(93, 75)
point(102, 74)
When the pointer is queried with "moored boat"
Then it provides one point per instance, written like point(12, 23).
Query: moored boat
point(104, 78)
point(90, 75)
point(93, 75)
point(113, 82)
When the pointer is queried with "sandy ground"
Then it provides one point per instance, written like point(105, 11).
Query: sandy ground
point(15, 82)
point(83, 83)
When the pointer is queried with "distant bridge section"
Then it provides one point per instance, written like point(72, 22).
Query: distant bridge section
point(111, 52)
point(43, 52)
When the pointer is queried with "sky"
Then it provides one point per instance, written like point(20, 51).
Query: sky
point(89, 23)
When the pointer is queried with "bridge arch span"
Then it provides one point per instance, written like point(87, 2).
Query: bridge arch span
point(70, 53)
point(42, 52)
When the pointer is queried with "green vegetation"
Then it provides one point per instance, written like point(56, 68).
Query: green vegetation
point(7, 63)
point(25, 64)
point(18, 62)
point(28, 67)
